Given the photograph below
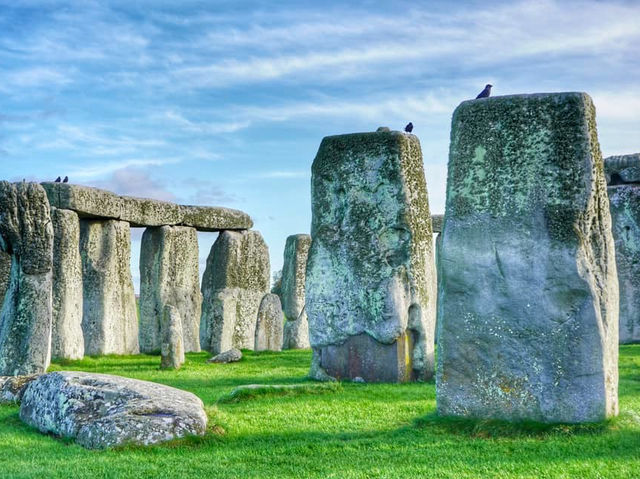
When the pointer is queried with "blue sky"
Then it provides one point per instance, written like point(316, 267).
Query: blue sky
point(226, 102)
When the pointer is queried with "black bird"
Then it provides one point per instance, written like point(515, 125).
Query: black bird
point(57, 180)
point(409, 128)
point(66, 179)
point(486, 92)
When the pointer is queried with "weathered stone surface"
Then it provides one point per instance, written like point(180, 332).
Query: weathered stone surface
point(624, 203)
point(371, 268)
point(110, 320)
point(66, 338)
point(172, 350)
point(169, 276)
point(528, 323)
point(230, 356)
point(25, 321)
point(268, 335)
point(12, 388)
point(234, 282)
point(622, 169)
point(5, 274)
point(436, 223)
point(96, 203)
point(100, 410)
point(296, 333)
point(296, 252)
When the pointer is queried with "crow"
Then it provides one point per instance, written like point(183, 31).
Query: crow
point(486, 92)
point(57, 180)
point(66, 179)
point(409, 128)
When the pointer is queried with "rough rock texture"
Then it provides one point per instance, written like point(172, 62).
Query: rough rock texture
point(5, 274)
point(296, 252)
point(25, 320)
point(296, 333)
point(371, 269)
point(230, 356)
point(66, 338)
point(110, 320)
point(528, 316)
point(172, 349)
point(169, 276)
point(234, 282)
point(436, 223)
point(96, 203)
point(623, 174)
point(269, 326)
point(12, 388)
point(100, 410)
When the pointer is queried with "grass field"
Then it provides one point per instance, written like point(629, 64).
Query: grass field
point(347, 431)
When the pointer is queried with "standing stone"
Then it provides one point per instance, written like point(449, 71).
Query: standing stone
point(172, 349)
point(169, 276)
point(235, 281)
point(25, 320)
point(109, 320)
point(370, 286)
point(296, 329)
point(269, 325)
point(623, 176)
point(528, 307)
point(66, 338)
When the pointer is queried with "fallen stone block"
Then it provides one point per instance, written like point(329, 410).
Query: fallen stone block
point(230, 356)
point(100, 411)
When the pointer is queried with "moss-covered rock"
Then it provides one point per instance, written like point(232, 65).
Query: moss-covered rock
point(25, 320)
point(370, 268)
point(528, 318)
point(624, 203)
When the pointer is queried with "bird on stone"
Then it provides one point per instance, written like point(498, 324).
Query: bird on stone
point(57, 180)
point(486, 92)
point(409, 128)
point(66, 179)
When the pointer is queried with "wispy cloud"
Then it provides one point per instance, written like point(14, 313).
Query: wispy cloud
point(104, 168)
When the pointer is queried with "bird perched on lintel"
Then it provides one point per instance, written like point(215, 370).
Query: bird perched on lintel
point(485, 93)
point(58, 179)
point(409, 128)
point(66, 179)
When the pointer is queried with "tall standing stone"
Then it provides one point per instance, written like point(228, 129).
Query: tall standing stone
point(528, 307)
point(25, 320)
point(370, 286)
point(269, 331)
point(296, 329)
point(234, 282)
point(5, 274)
point(110, 320)
point(623, 175)
point(169, 276)
point(66, 339)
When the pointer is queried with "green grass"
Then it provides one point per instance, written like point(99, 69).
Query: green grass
point(345, 431)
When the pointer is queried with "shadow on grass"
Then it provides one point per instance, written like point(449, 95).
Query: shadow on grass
point(494, 428)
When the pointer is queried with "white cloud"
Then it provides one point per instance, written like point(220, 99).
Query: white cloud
point(104, 168)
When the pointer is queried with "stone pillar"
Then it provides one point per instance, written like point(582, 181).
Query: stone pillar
point(269, 325)
point(623, 176)
point(296, 329)
point(235, 281)
point(66, 339)
point(528, 306)
point(172, 346)
point(25, 320)
point(5, 274)
point(169, 276)
point(109, 320)
point(370, 286)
